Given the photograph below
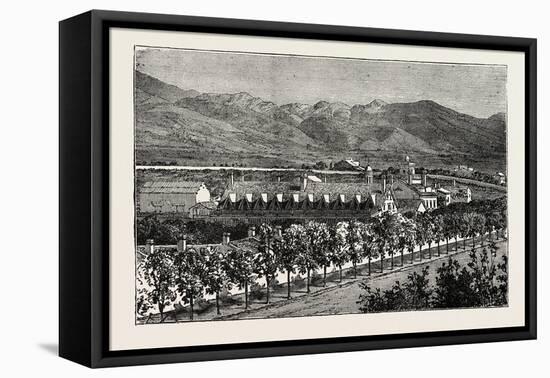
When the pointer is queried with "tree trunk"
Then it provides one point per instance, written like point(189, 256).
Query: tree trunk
point(246, 295)
point(218, 303)
point(370, 271)
point(429, 250)
point(324, 275)
point(381, 262)
point(288, 284)
point(464, 243)
point(267, 289)
point(420, 253)
point(402, 257)
point(438, 251)
point(354, 269)
point(191, 306)
point(161, 311)
point(340, 268)
point(474, 242)
point(412, 255)
point(307, 282)
point(391, 264)
point(447, 245)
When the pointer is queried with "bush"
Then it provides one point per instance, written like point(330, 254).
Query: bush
point(299, 282)
point(257, 292)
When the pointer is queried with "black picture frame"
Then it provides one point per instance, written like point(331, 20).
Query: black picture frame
point(84, 187)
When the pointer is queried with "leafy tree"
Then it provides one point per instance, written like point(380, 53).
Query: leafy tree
point(215, 277)
point(367, 240)
point(339, 255)
point(265, 262)
point(393, 231)
point(427, 223)
point(287, 250)
point(353, 240)
point(405, 236)
point(190, 268)
point(239, 267)
point(468, 227)
point(158, 276)
point(379, 232)
point(439, 231)
point(481, 226)
point(421, 234)
point(314, 247)
point(321, 244)
point(448, 228)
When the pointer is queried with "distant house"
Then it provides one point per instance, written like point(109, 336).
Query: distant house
point(348, 165)
point(202, 209)
point(171, 196)
point(445, 195)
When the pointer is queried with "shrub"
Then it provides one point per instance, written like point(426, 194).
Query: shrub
point(257, 291)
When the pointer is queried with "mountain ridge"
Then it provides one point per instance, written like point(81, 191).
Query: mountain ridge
point(321, 129)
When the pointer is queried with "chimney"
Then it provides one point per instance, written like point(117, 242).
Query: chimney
point(368, 174)
point(182, 243)
point(279, 178)
point(278, 231)
point(251, 231)
point(232, 180)
point(225, 238)
point(383, 184)
point(424, 179)
point(454, 182)
point(242, 176)
point(149, 246)
point(304, 182)
point(373, 197)
point(325, 179)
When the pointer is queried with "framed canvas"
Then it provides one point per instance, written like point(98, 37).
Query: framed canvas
point(234, 188)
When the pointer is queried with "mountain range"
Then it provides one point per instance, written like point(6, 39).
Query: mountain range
point(192, 127)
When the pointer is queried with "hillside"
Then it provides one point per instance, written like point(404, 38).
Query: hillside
point(203, 128)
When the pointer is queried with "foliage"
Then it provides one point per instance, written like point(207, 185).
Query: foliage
point(157, 271)
point(265, 261)
point(414, 294)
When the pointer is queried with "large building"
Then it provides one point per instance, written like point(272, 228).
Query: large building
point(305, 197)
point(172, 196)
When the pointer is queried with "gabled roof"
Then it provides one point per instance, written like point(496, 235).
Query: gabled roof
point(171, 186)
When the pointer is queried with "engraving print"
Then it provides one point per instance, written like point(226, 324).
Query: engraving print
point(272, 186)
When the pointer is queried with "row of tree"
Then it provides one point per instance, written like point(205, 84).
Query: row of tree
point(169, 276)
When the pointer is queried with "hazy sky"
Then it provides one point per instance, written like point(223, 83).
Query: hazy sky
point(472, 89)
